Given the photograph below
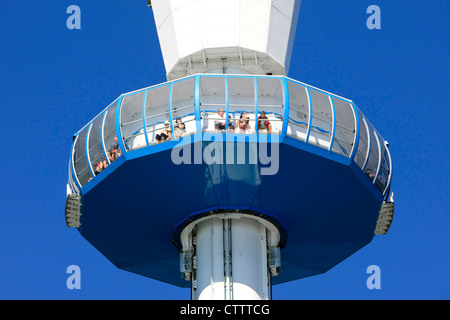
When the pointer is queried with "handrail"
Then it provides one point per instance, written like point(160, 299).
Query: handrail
point(203, 112)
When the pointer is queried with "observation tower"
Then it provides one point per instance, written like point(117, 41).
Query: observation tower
point(230, 177)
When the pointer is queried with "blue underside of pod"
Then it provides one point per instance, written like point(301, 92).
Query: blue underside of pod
point(326, 203)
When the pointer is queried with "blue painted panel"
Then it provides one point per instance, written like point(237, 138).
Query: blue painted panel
point(323, 199)
point(130, 213)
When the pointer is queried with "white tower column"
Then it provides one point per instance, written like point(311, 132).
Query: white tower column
point(230, 257)
point(240, 36)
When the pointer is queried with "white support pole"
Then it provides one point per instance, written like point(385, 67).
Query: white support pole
point(254, 36)
point(250, 272)
point(230, 257)
point(209, 269)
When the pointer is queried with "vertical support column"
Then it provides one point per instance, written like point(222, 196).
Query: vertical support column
point(357, 133)
point(88, 157)
point(119, 126)
point(209, 261)
point(250, 273)
point(227, 256)
point(286, 107)
point(333, 127)
point(256, 105)
point(72, 163)
point(144, 125)
point(310, 111)
point(198, 121)
point(230, 260)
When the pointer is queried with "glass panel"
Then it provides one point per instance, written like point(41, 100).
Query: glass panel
point(183, 104)
point(212, 105)
point(321, 125)
point(131, 121)
point(383, 175)
point(96, 154)
point(110, 135)
point(387, 164)
point(80, 160)
point(298, 111)
point(361, 153)
point(241, 101)
point(372, 163)
point(270, 100)
point(72, 183)
point(344, 134)
point(157, 117)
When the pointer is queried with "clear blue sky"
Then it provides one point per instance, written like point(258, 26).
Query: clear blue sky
point(54, 80)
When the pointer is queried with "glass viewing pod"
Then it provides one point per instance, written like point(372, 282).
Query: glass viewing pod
point(230, 104)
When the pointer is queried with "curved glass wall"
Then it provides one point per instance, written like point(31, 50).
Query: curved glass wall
point(158, 122)
point(363, 145)
point(271, 102)
point(383, 170)
point(371, 167)
point(110, 140)
point(131, 123)
point(213, 105)
point(345, 127)
point(387, 167)
point(322, 118)
point(299, 105)
point(72, 184)
point(80, 160)
point(230, 104)
point(182, 104)
point(242, 104)
point(96, 154)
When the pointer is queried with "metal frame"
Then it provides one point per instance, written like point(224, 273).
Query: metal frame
point(255, 90)
point(227, 103)
point(369, 142)
point(380, 156)
point(388, 184)
point(308, 131)
point(357, 132)
point(144, 100)
point(199, 134)
point(72, 163)
point(88, 156)
point(102, 136)
point(333, 121)
point(119, 126)
point(86, 127)
point(88, 136)
point(197, 104)
point(106, 112)
point(286, 107)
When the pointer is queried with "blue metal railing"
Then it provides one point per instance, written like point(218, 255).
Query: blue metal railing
point(312, 133)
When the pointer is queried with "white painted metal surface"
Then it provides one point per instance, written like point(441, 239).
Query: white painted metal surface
point(230, 257)
point(226, 36)
point(209, 274)
point(249, 256)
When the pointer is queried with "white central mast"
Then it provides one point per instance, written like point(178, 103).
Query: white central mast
point(231, 256)
point(226, 36)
